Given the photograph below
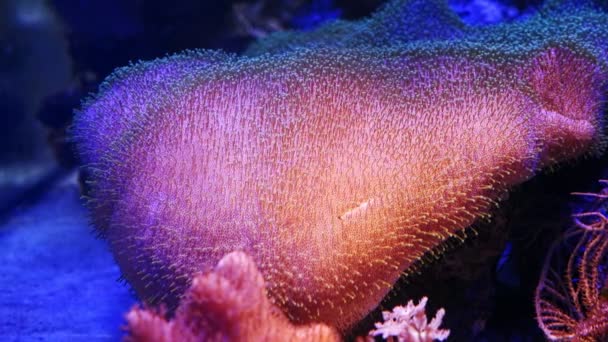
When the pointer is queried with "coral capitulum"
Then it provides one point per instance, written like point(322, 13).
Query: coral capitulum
point(335, 158)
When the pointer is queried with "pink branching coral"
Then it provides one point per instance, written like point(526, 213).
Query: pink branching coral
point(572, 305)
point(227, 304)
point(409, 324)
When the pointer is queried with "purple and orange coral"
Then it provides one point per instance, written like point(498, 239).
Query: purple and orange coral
point(336, 159)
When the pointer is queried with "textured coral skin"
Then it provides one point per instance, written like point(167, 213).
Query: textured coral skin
point(226, 304)
point(334, 168)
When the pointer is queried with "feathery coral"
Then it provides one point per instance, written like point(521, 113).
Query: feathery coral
point(335, 168)
point(226, 304)
point(569, 300)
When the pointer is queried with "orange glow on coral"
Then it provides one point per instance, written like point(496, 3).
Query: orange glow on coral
point(354, 178)
point(334, 169)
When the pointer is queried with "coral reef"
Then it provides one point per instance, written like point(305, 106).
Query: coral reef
point(339, 157)
point(230, 303)
point(226, 304)
point(571, 301)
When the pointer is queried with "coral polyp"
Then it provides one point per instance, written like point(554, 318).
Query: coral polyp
point(335, 169)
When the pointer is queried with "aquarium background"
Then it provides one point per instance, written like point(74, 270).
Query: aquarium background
point(58, 281)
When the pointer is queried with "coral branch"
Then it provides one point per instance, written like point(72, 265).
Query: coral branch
point(409, 324)
point(227, 304)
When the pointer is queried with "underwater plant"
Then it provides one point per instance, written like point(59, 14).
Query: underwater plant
point(571, 300)
point(339, 157)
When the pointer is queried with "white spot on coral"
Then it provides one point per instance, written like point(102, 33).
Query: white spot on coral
point(355, 212)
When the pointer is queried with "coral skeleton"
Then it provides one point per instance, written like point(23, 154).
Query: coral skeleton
point(571, 301)
point(409, 324)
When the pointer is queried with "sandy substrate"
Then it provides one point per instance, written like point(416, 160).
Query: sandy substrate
point(58, 282)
